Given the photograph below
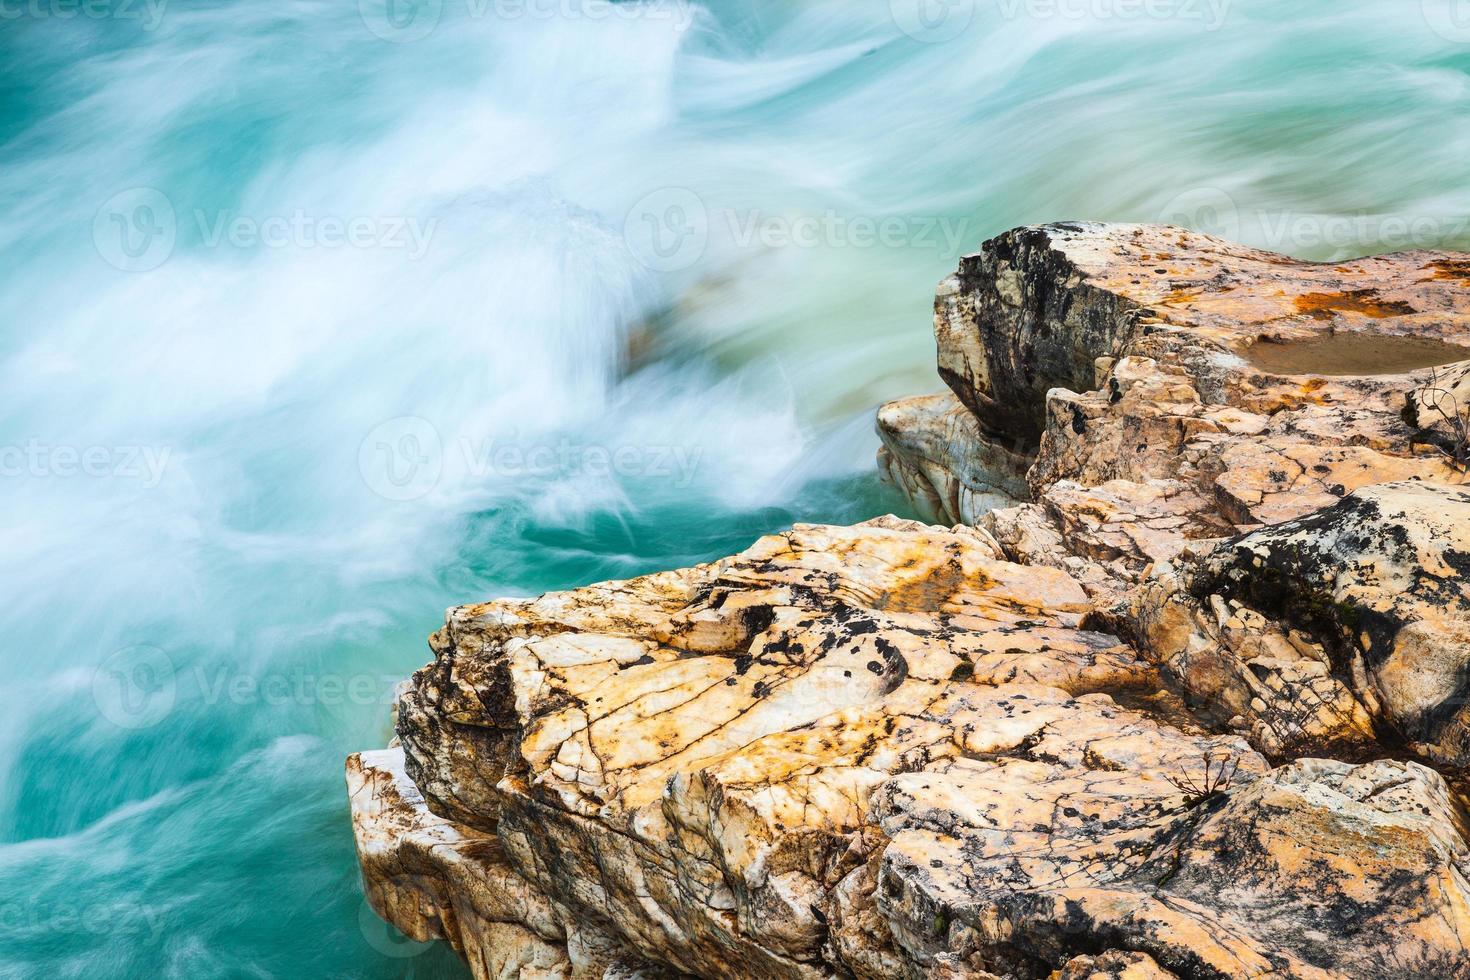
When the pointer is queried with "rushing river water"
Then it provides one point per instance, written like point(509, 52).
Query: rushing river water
point(320, 317)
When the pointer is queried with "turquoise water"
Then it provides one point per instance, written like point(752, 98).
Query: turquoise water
point(321, 317)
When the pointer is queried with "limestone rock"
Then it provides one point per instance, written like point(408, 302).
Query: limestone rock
point(1150, 354)
point(1036, 748)
point(1027, 534)
point(934, 450)
point(1380, 579)
point(1036, 308)
point(1113, 965)
point(1438, 411)
point(1182, 390)
point(436, 880)
point(1135, 524)
point(1251, 674)
point(686, 758)
point(874, 751)
point(1260, 880)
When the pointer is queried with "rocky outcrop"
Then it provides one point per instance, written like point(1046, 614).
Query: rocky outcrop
point(1381, 581)
point(934, 449)
point(1167, 701)
point(1036, 308)
point(687, 758)
point(1182, 391)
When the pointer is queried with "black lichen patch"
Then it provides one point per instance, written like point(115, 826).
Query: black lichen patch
point(1285, 572)
point(1293, 573)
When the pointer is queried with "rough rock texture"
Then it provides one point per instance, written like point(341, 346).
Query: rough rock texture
point(1382, 580)
point(1113, 966)
point(934, 449)
point(688, 757)
point(1147, 363)
point(1151, 717)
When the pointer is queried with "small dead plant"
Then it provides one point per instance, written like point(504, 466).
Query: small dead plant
point(1213, 779)
point(1439, 414)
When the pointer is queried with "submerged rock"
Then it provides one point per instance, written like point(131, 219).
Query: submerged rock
point(1065, 742)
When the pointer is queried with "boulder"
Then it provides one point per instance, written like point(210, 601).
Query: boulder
point(1382, 580)
point(1036, 308)
point(875, 751)
point(934, 451)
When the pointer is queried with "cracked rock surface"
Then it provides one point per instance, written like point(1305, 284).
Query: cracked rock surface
point(1182, 391)
point(1168, 701)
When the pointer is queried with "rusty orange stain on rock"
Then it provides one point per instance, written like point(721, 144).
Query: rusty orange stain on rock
point(1450, 269)
point(1323, 306)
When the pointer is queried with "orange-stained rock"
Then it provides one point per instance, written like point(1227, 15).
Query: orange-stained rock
point(1036, 307)
point(874, 751)
point(688, 757)
point(1113, 965)
point(1079, 740)
point(1181, 390)
point(1318, 869)
point(1382, 580)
